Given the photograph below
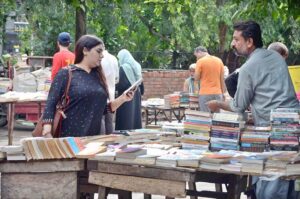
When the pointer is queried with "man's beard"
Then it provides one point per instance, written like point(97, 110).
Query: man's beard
point(235, 51)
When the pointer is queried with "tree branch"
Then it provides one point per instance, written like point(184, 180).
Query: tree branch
point(152, 30)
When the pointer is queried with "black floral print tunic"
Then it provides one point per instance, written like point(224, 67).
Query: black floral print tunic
point(87, 103)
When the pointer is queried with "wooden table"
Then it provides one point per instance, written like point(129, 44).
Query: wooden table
point(40, 179)
point(167, 181)
point(167, 112)
point(11, 113)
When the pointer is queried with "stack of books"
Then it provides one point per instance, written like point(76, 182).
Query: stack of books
point(152, 154)
point(194, 101)
point(293, 167)
point(225, 132)
point(175, 127)
point(129, 154)
point(214, 161)
point(51, 148)
point(255, 139)
point(175, 100)
point(180, 157)
point(285, 129)
point(253, 164)
point(277, 163)
point(197, 127)
point(167, 101)
point(13, 153)
point(184, 100)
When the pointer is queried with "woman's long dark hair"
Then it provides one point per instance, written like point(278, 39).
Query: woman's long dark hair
point(89, 42)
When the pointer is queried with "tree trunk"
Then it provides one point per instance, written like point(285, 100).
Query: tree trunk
point(222, 38)
point(80, 22)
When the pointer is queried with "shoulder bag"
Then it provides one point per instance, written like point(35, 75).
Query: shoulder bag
point(59, 114)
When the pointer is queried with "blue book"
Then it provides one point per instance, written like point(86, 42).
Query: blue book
point(72, 143)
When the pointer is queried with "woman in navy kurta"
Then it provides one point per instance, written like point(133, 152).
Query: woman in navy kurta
point(88, 92)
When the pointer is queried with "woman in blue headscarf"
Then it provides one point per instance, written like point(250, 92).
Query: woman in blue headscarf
point(128, 115)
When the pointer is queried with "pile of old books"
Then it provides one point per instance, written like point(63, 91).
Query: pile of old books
point(174, 126)
point(194, 101)
point(167, 101)
point(51, 148)
point(184, 100)
point(175, 100)
point(285, 129)
point(255, 139)
point(197, 126)
point(179, 157)
point(12, 153)
point(214, 161)
point(225, 132)
point(129, 154)
point(254, 163)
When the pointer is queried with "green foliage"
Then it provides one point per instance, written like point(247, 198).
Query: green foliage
point(5, 7)
point(160, 33)
point(46, 22)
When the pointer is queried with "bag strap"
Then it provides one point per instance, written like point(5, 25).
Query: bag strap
point(65, 98)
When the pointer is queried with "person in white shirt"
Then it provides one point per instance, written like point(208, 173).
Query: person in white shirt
point(111, 71)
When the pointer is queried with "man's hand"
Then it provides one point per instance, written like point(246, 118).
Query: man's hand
point(213, 105)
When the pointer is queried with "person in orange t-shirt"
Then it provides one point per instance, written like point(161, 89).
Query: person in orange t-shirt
point(64, 57)
point(210, 71)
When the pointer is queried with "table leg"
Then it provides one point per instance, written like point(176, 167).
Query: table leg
point(218, 187)
point(192, 186)
point(125, 195)
point(155, 117)
point(10, 119)
point(237, 185)
point(147, 116)
point(101, 192)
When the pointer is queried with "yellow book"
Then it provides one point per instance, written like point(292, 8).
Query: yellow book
point(43, 149)
point(26, 150)
point(59, 148)
point(48, 149)
point(52, 146)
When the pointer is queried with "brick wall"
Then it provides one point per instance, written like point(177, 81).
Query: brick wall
point(158, 83)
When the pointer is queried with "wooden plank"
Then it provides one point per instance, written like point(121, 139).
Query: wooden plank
point(42, 166)
point(147, 172)
point(212, 177)
point(40, 185)
point(10, 124)
point(139, 184)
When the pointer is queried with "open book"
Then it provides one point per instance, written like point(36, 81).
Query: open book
point(134, 86)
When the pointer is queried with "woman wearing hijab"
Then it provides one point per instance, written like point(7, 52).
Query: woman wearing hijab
point(128, 115)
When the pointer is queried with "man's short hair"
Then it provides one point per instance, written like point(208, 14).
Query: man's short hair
point(200, 49)
point(250, 29)
point(280, 48)
point(64, 39)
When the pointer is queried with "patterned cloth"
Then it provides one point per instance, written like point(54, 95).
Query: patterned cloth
point(87, 104)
